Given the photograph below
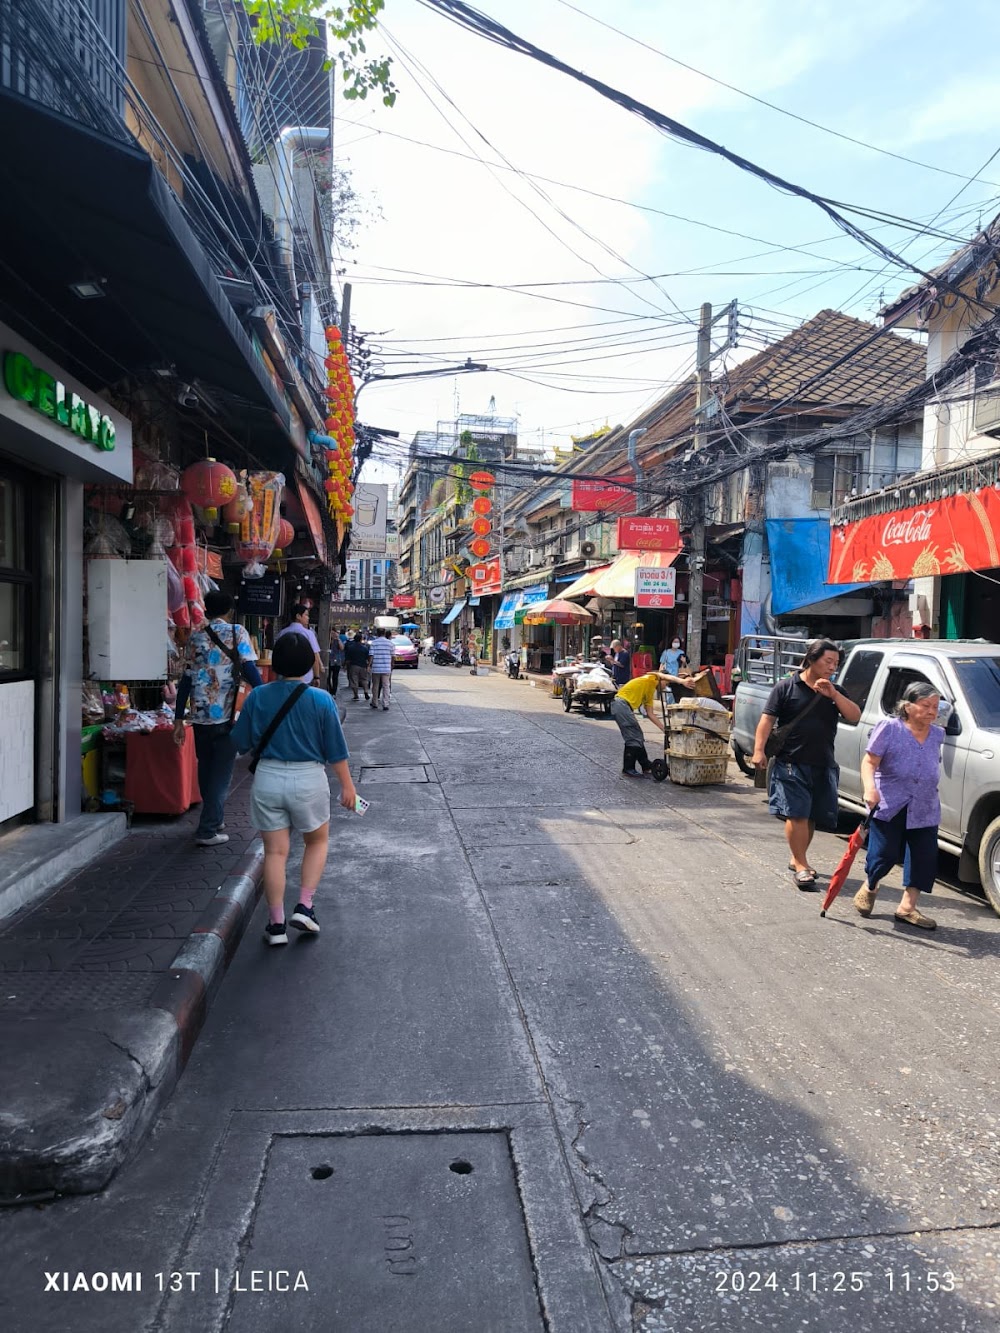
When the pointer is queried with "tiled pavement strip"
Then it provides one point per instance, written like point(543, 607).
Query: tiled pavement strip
point(106, 937)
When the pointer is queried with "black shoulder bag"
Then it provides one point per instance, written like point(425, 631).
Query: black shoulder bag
point(233, 653)
point(274, 724)
point(778, 739)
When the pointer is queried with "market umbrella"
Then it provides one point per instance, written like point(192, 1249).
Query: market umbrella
point(839, 877)
point(410, 625)
point(558, 612)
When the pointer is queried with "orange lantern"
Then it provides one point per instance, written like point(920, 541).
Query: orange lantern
point(286, 535)
point(480, 547)
point(481, 527)
point(481, 505)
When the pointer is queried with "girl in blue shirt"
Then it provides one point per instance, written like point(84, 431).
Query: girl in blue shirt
point(290, 787)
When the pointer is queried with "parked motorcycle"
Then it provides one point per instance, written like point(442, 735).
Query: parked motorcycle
point(512, 661)
point(442, 657)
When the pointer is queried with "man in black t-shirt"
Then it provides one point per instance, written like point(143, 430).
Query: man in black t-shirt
point(803, 785)
point(356, 655)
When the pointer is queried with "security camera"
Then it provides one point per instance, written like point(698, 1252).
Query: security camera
point(187, 396)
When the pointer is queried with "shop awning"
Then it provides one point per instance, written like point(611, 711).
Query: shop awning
point(800, 552)
point(945, 536)
point(90, 205)
point(530, 597)
point(584, 585)
point(454, 613)
point(618, 580)
point(504, 618)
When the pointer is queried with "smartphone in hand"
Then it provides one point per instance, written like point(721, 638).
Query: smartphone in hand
point(360, 805)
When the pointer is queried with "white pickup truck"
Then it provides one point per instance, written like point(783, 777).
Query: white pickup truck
point(874, 673)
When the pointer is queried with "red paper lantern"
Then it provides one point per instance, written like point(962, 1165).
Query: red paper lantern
point(480, 547)
point(286, 535)
point(209, 485)
point(332, 333)
point(329, 486)
point(191, 590)
point(481, 527)
point(481, 505)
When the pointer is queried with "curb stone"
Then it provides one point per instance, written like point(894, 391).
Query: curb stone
point(80, 1095)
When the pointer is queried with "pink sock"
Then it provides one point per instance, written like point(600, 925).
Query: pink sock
point(306, 896)
point(277, 914)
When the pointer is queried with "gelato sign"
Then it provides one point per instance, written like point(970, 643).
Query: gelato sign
point(52, 399)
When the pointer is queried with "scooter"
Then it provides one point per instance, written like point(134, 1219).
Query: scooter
point(442, 657)
point(512, 660)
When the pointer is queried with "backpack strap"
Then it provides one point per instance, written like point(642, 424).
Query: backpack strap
point(274, 724)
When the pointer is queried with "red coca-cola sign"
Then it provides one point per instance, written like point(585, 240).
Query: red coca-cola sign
point(947, 536)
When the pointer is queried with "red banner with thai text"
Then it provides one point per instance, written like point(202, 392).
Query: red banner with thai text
point(948, 536)
point(484, 578)
point(616, 495)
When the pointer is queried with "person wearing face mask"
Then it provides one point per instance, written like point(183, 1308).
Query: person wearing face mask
point(673, 658)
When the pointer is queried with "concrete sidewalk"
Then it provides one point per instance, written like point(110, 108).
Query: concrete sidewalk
point(104, 987)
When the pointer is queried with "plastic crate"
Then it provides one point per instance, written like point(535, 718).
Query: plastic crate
point(691, 743)
point(707, 719)
point(698, 772)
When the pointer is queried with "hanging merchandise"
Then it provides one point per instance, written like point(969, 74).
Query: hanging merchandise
point(238, 508)
point(339, 426)
point(258, 534)
point(209, 485)
point(184, 559)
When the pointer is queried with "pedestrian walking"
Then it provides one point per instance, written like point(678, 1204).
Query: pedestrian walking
point(357, 655)
point(336, 662)
point(381, 649)
point(797, 729)
point(293, 732)
point(217, 657)
point(900, 772)
point(299, 624)
point(637, 697)
point(621, 663)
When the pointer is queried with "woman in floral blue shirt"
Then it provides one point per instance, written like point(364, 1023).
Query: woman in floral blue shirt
point(900, 771)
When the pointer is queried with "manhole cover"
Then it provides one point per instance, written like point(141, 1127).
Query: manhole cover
point(390, 1231)
point(414, 773)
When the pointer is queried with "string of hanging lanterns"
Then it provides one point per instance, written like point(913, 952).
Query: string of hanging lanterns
point(339, 395)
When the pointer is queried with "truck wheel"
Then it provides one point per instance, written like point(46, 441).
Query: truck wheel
point(989, 864)
point(742, 762)
point(567, 700)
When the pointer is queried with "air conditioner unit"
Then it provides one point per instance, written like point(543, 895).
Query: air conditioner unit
point(515, 560)
point(986, 410)
point(588, 548)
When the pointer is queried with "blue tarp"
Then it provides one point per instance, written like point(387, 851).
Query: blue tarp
point(454, 613)
point(800, 557)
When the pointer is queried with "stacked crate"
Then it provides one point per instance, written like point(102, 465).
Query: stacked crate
point(698, 744)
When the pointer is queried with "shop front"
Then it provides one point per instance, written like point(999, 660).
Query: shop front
point(943, 548)
point(56, 435)
point(535, 643)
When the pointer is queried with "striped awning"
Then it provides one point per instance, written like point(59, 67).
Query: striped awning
point(584, 585)
point(618, 580)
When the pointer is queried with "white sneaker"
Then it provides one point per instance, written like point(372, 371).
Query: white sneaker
point(216, 840)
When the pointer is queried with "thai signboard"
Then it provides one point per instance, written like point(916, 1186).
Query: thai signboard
point(947, 536)
point(654, 587)
point(616, 494)
point(649, 534)
point(484, 578)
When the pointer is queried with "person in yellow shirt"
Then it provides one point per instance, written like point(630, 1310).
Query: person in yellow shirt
point(637, 697)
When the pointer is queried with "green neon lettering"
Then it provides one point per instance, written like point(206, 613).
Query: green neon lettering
point(106, 435)
point(93, 423)
point(78, 416)
point(62, 408)
point(19, 375)
point(45, 394)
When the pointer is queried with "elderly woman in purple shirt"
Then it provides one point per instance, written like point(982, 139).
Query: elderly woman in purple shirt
point(900, 773)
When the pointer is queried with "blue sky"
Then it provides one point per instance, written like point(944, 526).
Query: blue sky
point(901, 74)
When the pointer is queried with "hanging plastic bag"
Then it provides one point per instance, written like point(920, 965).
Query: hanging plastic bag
point(258, 533)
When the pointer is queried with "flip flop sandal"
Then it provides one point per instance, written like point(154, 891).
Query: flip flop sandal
point(917, 919)
point(791, 867)
point(805, 880)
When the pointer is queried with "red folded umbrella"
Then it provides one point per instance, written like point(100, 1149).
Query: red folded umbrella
point(839, 877)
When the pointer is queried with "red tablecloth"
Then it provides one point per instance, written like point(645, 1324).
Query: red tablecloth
point(161, 778)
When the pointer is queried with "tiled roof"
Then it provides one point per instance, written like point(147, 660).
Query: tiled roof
point(878, 366)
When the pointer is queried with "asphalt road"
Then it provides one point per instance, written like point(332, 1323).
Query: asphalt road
point(572, 1053)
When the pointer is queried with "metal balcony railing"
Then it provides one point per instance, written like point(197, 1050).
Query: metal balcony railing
point(68, 55)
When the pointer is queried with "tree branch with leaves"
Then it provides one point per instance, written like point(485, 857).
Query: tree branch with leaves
point(297, 21)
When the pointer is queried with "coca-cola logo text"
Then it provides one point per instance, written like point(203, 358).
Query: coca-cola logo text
point(903, 531)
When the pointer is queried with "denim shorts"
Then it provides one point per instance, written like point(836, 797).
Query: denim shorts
point(286, 795)
point(804, 791)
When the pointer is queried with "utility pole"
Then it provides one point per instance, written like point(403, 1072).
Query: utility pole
point(696, 560)
point(345, 317)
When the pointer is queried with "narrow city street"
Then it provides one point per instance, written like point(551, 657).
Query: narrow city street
point(571, 1053)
